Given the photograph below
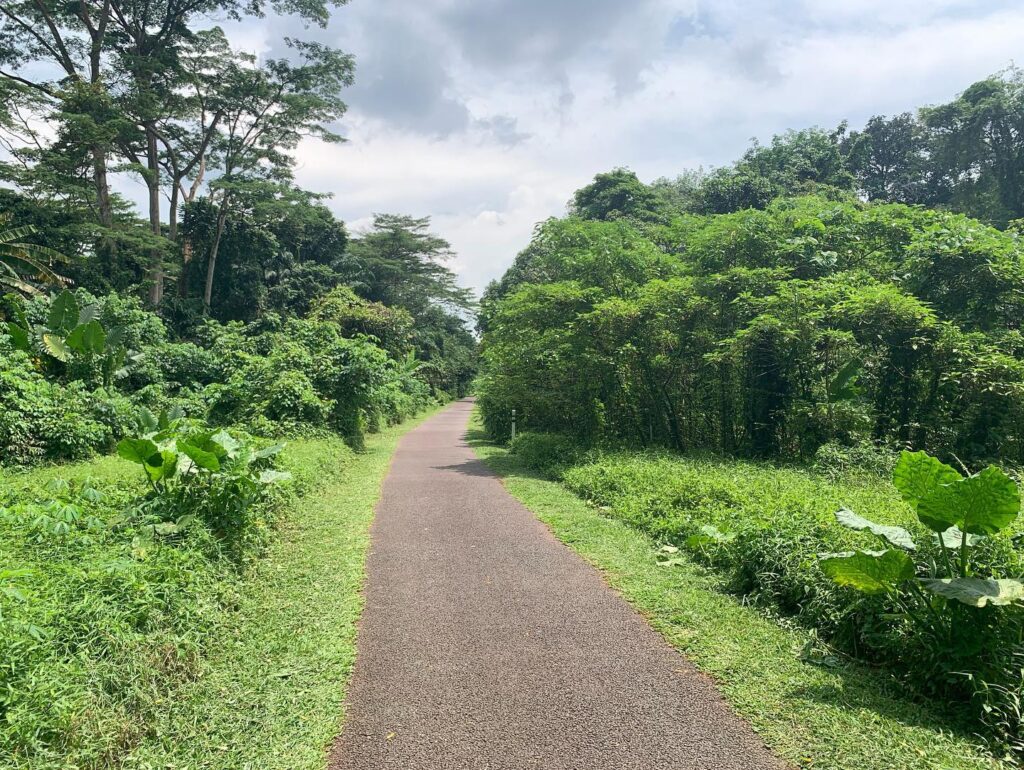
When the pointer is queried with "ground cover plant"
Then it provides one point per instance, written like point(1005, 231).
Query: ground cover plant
point(117, 589)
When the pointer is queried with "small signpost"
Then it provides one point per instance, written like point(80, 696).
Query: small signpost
point(513, 425)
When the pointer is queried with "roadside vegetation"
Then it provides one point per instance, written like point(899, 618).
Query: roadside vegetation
point(813, 706)
point(805, 380)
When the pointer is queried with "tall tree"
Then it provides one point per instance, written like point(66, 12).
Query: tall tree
point(265, 112)
point(889, 157)
point(978, 146)
point(399, 262)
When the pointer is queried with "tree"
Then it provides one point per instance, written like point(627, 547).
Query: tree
point(265, 112)
point(889, 158)
point(139, 81)
point(797, 161)
point(617, 194)
point(399, 262)
point(978, 147)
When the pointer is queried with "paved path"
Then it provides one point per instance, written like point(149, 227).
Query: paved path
point(486, 643)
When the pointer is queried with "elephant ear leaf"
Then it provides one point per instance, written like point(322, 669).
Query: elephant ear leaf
point(918, 474)
point(63, 312)
point(871, 572)
point(953, 538)
point(896, 536)
point(19, 336)
point(977, 592)
point(158, 464)
point(56, 346)
point(982, 504)
point(141, 451)
point(94, 338)
point(203, 459)
point(274, 477)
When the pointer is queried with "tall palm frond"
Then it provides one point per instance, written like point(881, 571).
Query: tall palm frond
point(24, 265)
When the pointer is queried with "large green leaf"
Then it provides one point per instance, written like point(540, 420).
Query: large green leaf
point(269, 451)
point(844, 386)
point(981, 504)
point(63, 312)
point(274, 477)
point(158, 464)
point(138, 450)
point(19, 336)
point(76, 340)
point(977, 592)
point(87, 338)
point(223, 441)
point(202, 458)
point(872, 572)
point(56, 346)
point(95, 338)
point(896, 536)
point(917, 474)
point(953, 538)
point(162, 465)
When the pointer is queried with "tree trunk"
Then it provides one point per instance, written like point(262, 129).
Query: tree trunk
point(211, 265)
point(156, 266)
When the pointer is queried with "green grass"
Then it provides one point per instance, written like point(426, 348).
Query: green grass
point(846, 717)
point(174, 657)
point(271, 691)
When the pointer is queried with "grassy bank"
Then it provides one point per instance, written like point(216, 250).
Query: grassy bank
point(840, 716)
point(271, 691)
point(121, 652)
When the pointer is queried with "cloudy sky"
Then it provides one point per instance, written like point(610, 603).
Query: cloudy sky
point(487, 114)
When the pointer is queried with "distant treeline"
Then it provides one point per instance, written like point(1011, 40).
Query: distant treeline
point(777, 305)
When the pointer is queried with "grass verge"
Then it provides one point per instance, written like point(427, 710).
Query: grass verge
point(843, 717)
point(124, 651)
point(271, 691)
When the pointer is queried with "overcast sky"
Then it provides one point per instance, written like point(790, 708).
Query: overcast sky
point(487, 114)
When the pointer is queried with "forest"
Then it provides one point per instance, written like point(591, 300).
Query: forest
point(793, 357)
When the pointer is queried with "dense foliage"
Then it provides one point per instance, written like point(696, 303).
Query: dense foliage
point(765, 333)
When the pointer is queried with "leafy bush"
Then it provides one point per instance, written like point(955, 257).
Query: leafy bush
point(43, 420)
point(763, 528)
point(199, 473)
point(964, 614)
point(550, 453)
point(764, 334)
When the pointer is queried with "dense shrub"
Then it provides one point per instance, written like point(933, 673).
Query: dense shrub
point(64, 399)
point(43, 420)
point(763, 528)
point(549, 453)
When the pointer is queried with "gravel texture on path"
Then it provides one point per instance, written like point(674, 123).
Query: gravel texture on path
point(487, 644)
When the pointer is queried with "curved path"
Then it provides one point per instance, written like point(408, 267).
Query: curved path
point(486, 643)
